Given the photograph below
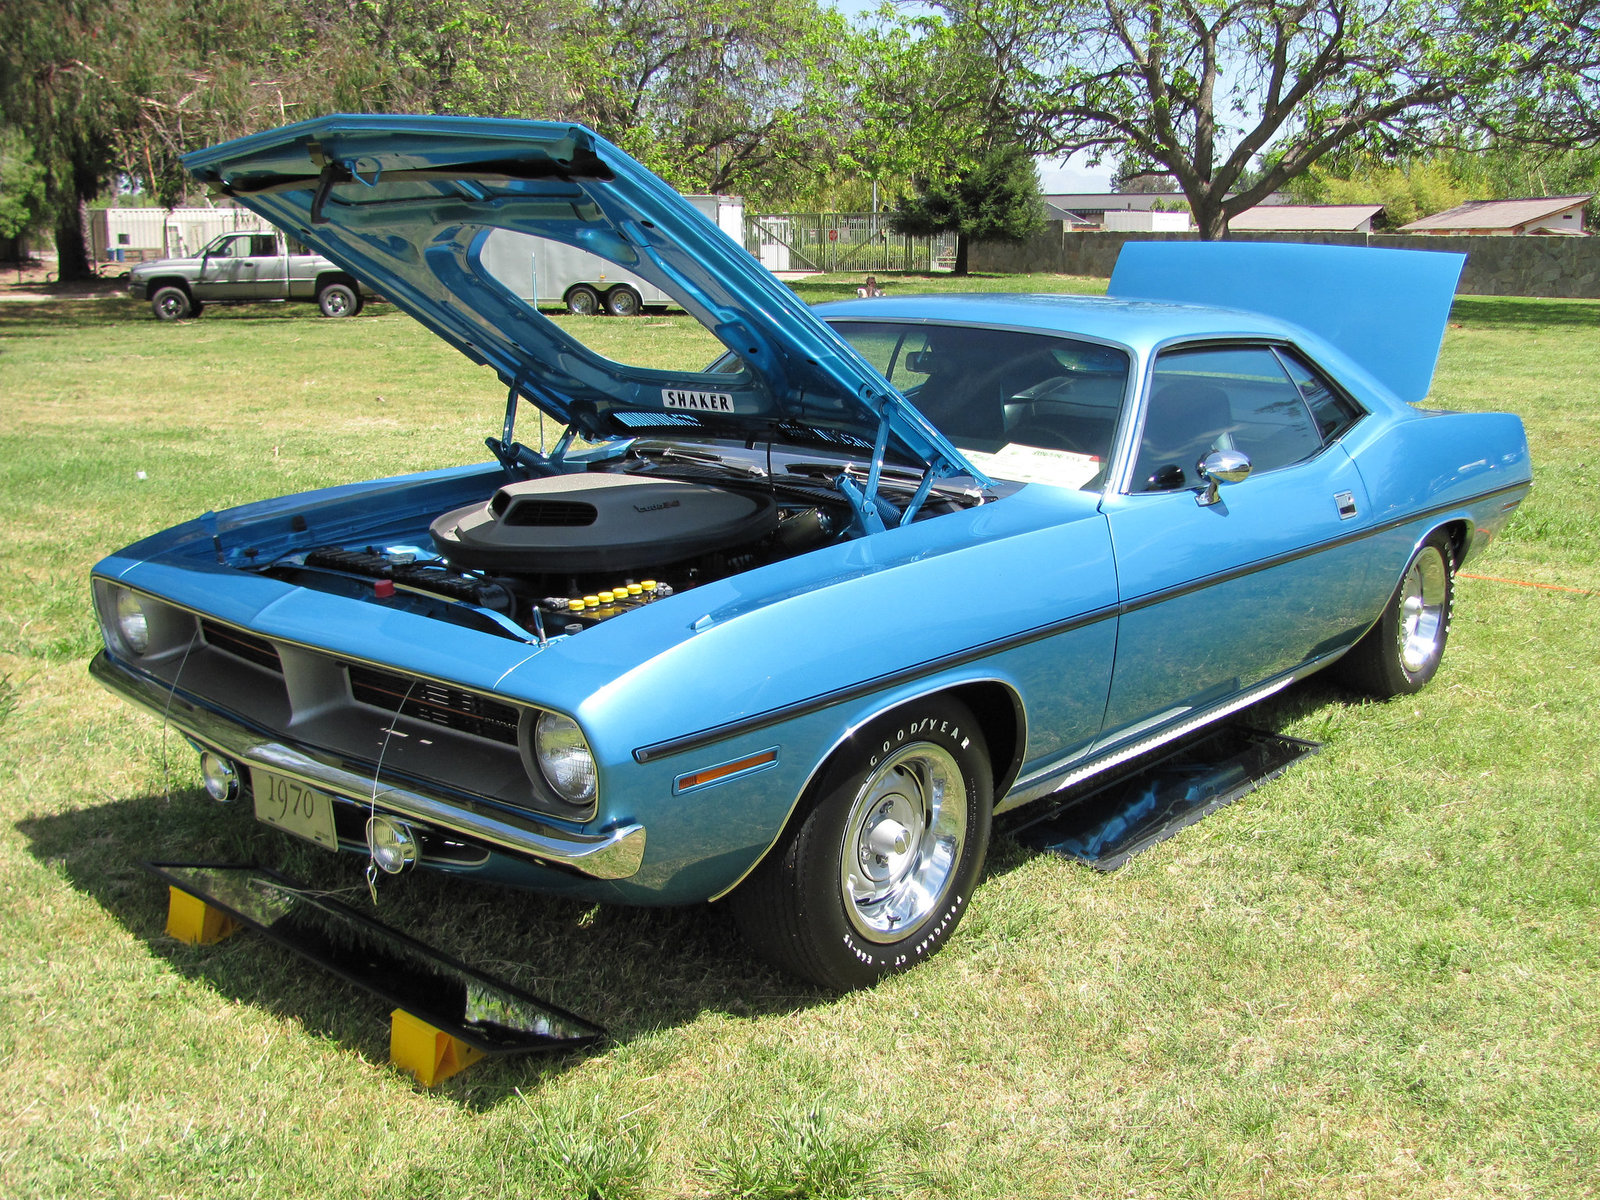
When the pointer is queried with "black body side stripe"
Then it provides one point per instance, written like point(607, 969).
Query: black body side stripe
point(866, 687)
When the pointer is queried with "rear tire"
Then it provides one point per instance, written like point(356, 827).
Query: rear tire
point(875, 872)
point(623, 301)
point(339, 300)
point(1402, 652)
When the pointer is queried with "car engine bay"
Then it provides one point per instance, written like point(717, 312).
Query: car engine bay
point(558, 554)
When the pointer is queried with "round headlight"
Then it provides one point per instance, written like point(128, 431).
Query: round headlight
point(133, 627)
point(564, 757)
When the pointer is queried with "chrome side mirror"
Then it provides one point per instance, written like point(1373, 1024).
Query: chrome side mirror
point(1220, 466)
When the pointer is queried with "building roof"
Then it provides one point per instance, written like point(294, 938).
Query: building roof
point(1053, 213)
point(1507, 215)
point(1292, 217)
point(1099, 202)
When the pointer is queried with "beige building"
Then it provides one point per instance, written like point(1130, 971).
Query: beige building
point(1534, 214)
point(1306, 218)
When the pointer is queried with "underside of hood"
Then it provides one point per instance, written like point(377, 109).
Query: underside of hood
point(422, 208)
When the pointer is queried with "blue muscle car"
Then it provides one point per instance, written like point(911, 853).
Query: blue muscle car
point(790, 631)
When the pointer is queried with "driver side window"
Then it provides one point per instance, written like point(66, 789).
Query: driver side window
point(1220, 398)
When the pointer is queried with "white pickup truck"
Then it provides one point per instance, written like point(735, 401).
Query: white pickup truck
point(245, 267)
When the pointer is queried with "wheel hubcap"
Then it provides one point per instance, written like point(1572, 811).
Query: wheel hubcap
point(1422, 606)
point(902, 841)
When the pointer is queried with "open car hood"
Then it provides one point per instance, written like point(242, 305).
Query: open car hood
point(418, 207)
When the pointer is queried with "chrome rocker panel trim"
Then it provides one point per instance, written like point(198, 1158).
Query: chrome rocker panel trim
point(615, 854)
point(1118, 750)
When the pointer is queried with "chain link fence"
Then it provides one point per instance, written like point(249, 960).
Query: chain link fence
point(843, 242)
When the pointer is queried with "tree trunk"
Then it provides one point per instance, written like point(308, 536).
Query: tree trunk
point(74, 261)
point(961, 254)
point(1209, 218)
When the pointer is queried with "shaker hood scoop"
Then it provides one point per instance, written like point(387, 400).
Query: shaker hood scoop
point(421, 208)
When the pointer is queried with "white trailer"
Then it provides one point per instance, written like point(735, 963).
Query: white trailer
point(548, 272)
point(142, 234)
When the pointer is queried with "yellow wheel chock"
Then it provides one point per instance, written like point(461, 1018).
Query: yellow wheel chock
point(446, 1014)
point(192, 921)
point(432, 1055)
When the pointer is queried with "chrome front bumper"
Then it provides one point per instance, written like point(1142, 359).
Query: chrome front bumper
point(613, 854)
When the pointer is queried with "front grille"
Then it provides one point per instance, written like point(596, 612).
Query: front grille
point(247, 646)
point(436, 703)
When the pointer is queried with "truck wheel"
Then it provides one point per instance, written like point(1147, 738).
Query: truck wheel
point(623, 302)
point(338, 300)
point(173, 304)
point(583, 300)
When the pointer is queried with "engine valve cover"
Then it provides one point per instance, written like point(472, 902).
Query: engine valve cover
point(599, 522)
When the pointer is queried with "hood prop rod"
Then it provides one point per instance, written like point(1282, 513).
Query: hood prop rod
point(872, 512)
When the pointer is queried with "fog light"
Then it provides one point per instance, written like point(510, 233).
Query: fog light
point(392, 844)
point(221, 777)
point(133, 626)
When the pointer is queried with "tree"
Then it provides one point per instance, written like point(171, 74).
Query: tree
point(1415, 187)
point(1205, 89)
point(740, 96)
point(108, 90)
point(21, 186)
point(54, 89)
point(996, 199)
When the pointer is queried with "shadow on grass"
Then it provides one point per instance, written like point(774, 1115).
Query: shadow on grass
point(630, 971)
point(26, 317)
point(1272, 716)
point(1518, 312)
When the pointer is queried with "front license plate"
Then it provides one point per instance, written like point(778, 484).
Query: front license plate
point(290, 805)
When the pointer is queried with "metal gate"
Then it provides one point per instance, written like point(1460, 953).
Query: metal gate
point(842, 242)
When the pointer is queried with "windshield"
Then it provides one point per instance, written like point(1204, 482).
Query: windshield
point(1031, 407)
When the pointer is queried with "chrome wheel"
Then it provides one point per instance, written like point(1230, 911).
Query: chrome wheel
point(1403, 649)
point(583, 301)
point(1423, 604)
point(874, 877)
point(338, 300)
point(902, 839)
point(171, 304)
point(623, 302)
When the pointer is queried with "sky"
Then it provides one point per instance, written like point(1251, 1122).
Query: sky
point(1073, 175)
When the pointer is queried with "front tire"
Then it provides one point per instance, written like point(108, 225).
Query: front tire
point(338, 300)
point(875, 875)
point(583, 301)
point(1402, 652)
point(173, 304)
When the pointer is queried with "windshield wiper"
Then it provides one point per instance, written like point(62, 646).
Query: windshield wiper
point(901, 478)
point(700, 458)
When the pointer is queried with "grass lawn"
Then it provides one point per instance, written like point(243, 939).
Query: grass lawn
point(1378, 976)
